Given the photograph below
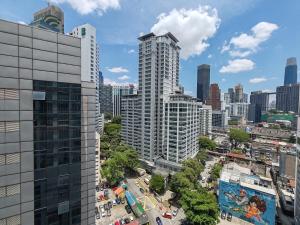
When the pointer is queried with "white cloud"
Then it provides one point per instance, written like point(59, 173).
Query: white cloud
point(188, 92)
point(124, 77)
point(246, 44)
point(209, 56)
point(257, 80)
point(223, 80)
point(192, 27)
point(238, 65)
point(117, 83)
point(118, 70)
point(88, 6)
point(131, 51)
point(267, 90)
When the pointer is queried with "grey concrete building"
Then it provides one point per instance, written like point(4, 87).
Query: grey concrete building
point(47, 129)
point(288, 98)
point(219, 119)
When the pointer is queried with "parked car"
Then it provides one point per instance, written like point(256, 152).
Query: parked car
point(97, 188)
point(142, 190)
point(118, 201)
point(106, 207)
point(97, 216)
point(127, 220)
point(123, 200)
point(114, 202)
point(103, 213)
point(229, 217)
point(131, 218)
point(167, 215)
point(108, 212)
point(117, 222)
point(128, 209)
point(174, 212)
point(96, 210)
point(158, 221)
point(223, 215)
point(122, 221)
point(109, 204)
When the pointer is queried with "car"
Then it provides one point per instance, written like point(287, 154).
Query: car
point(229, 217)
point(174, 212)
point(108, 213)
point(97, 188)
point(127, 220)
point(106, 207)
point(167, 215)
point(117, 222)
point(109, 204)
point(96, 210)
point(118, 201)
point(223, 215)
point(123, 200)
point(114, 202)
point(131, 218)
point(128, 209)
point(122, 221)
point(158, 221)
point(97, 216)
point(103, 213)
point(142, 190)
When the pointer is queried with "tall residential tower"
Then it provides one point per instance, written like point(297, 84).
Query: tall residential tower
point(203, 82)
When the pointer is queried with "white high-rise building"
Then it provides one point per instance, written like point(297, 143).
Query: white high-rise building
point(153, 121)
point(117, 92)
point(89, 60)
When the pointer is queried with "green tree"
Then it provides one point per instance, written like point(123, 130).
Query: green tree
point(116, 119)
point(202, 156)
point(108, 116)
point(112, 171)
point(200, 207)
point(195, 166)
point(179, 182)
point(157, 183)
point(238, 136)
point(216, 171)
point(112, 129)
point(292, 139)
point(206, 143)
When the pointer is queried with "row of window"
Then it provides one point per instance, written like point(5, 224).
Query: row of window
point(9, 190)
point(9, 94)
point(13, 220)
point(6, 159)
point(9, 126)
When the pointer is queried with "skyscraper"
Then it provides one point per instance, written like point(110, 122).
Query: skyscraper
point(239, 94)
point(203, 82)
point(47, 129)
point(288, 98)
point(154, 121)
point(117, 92)
point(214, 97)
point(290, 75)
point(49, 18)
point(89, 60)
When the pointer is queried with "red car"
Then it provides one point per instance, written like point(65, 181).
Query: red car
point(167, 215)
point(117, 222)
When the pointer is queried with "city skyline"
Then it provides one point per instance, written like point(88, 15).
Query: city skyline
point(264, 57)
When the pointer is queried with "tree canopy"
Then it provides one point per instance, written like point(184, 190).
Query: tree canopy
point(157, 183)
point(200, 207)
point(206, 143)
point(238, 136)
point(116, 119)
point(216, 171)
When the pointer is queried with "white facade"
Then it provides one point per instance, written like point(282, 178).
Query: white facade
point(117, 92)
point(89, 61)
point(239, 109)
point(220, 119)
point(205, 120)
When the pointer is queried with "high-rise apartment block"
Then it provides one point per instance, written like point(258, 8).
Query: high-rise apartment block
point(47, 129)
point(118, 91)
point(203, 82)
point(89, 60)
point(290, 75)
point(220, 119)
point(105, 96)
point(288, 98)
point(154, 120)
point(214, 98)
point(49, 18)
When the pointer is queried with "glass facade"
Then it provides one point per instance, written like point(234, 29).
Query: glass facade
point(57, 153)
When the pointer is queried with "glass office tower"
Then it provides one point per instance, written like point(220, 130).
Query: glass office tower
point(290, 75)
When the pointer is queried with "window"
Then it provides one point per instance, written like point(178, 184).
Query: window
point(9, 159)
point(9, 190)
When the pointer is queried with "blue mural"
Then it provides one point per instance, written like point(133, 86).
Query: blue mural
point(247, 204)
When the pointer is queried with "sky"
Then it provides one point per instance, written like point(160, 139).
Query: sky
point(244, 41)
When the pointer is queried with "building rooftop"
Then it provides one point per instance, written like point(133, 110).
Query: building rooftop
point(234, 173)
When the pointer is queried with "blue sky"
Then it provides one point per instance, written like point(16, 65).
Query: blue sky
point(258, 34)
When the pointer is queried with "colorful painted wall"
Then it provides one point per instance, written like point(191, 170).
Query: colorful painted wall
point(253, 206)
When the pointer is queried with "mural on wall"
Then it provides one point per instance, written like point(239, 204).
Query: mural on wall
point(247, 204)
